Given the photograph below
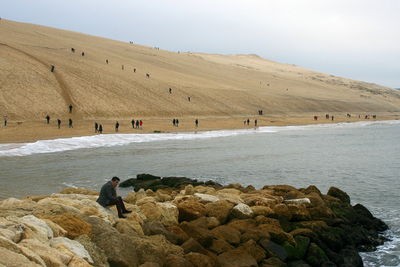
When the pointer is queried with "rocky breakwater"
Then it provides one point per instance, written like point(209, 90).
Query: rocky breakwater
point(197, 225)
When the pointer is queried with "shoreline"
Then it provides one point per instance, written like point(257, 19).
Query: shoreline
point(32, 131)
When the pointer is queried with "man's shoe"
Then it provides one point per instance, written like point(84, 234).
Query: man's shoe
point(122, 216)
point(127, 211)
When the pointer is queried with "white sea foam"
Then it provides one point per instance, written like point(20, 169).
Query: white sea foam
point(109, 140)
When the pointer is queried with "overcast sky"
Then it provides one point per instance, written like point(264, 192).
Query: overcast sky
point(358, 39)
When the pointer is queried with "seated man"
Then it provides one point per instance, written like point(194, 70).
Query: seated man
point(108, 197)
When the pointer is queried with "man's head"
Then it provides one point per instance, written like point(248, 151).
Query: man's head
point(115, 180)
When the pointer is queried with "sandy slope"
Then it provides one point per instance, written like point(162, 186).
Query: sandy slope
point(228, 86)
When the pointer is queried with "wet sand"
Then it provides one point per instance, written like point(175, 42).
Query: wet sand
point(31, 131)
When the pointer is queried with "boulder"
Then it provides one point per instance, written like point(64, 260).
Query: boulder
point(145, 200)
point(219, 209)
point(206, 222)
point(298, 212)
point(227, 233)
point(219, 246)
point(151, 210)
point(282, 210)
point(78, 262)
point(190, 210)
point(29, 254)
point(157, 228)
point(241, 211)
point(97, 254)
point(256, 251)
point(256, 200)
point(35, 228)
point(169, 213)
point(71, 223)
point(192, 245)
point(274, 262)
point(154, 249)
point(119, 248)
point(261, 210)
point(177, 261)
point(12, 259)
point(206, 198)
point(304, 200)
point(337, 193)
point(73, 246)
point(273, 249)
point(238, 257)
point(147, 177)
point(199, 260)
point(179, 234)
point(316, 256)
point(51, 256)
point(242, 225)
point(202, 235)
point(230, 197)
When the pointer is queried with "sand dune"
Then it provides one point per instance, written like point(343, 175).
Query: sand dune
point(229, 86)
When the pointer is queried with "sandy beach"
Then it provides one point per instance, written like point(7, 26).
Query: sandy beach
point(31, 131)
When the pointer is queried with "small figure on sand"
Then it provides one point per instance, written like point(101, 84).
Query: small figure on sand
point(174, 122)
point(5, 120)
point(327, 116)
point(147, 75)
point(137, 124)
point(189, 98)
point(141, 124)
point(107, 61)
point(116, 126)
point(315, 118)
point(83, 54)
point(248, 121)
point(255, 123)
point(100, 129)
point(134, 70)
point(96, 127)
point(333, 117)
point(122, 67)
point(133, 123)
point(70, 108)
point(177, 123)
point(196, 122)
point(72, 50)
point(52, 68)
point(108, 197)
point(170, 90)
point(48, 118)
point(58, 123)
point(70, 123)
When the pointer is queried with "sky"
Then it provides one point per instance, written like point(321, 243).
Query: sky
point(357, 39)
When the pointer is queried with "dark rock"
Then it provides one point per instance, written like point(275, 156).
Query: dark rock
point(298, 263)
point(316, 256)
point(274, 249)
point(199, 260)
point(336, 192)
point(351, 258)
point(157, 228)
point(192, 245)
point(147, 177)
point(273, 262)
point(298, 251)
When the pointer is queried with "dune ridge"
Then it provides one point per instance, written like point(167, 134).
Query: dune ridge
point(219, 86)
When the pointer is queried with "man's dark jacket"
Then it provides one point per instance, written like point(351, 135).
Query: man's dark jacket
point(107, 193)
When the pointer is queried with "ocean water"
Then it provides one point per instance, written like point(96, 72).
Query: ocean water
point(361, 158)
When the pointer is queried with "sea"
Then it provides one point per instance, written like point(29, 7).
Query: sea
point(361, 158)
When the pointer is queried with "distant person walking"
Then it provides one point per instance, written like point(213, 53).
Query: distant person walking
point(70, 108)
point(58, 123)
point(177, 122)
point(96, 127)
point(255, 123)
point(141, 124)
point(133, 123)
point(196, 122)
point(70, 123)
point(170, 90)
point(48, 119)
point(248, 121)
point(173, 122)
point(137, 123)
point(100, 129)
point(5, 120)
point(116, 126)
point(108, 197)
